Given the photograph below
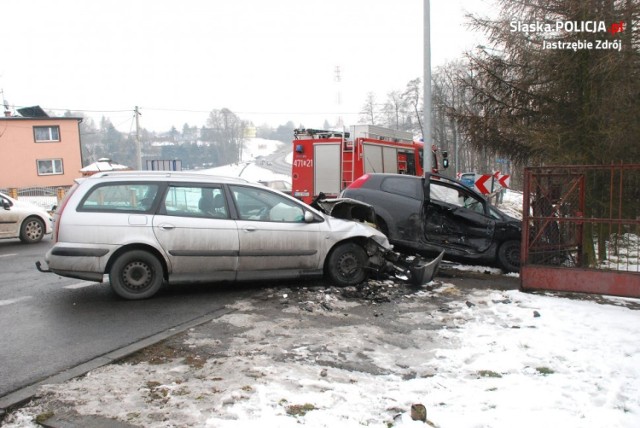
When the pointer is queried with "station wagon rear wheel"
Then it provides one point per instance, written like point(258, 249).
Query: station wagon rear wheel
point(32, 230)
point(347, 264)
point(136, 275)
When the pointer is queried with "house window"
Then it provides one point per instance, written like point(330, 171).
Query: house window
point(46, 133)
point(50, 166)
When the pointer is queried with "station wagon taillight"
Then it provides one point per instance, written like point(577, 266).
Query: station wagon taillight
point(359, 182)
point(58, 214)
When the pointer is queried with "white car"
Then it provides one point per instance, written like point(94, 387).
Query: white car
point(24, 220)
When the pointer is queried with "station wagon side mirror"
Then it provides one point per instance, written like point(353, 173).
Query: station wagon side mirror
point(6, 204)
point(309, 217)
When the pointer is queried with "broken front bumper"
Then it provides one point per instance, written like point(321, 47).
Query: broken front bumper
point(414, 269)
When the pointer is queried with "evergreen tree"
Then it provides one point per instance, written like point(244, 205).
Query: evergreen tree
point(536, 100)
point(115, 145)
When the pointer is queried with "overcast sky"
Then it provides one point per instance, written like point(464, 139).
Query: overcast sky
point(267, 61)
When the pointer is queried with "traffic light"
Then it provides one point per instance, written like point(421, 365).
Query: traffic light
point(445, 159)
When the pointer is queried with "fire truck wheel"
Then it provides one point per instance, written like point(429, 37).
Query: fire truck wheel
point(346, 265)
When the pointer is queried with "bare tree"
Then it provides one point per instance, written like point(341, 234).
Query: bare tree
point(368, 114)
point(412, 96)
point(227, 132)
point(394, 110)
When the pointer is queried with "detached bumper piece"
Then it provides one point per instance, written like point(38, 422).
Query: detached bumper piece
point(422, 271)
point(414, 269)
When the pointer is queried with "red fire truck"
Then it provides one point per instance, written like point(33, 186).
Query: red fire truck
point(328, 161)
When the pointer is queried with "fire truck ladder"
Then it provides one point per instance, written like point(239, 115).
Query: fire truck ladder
point(348, 163)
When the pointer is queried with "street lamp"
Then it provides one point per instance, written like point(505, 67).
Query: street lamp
point(426, 131)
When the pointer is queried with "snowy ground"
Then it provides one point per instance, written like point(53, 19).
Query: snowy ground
point(319, 357)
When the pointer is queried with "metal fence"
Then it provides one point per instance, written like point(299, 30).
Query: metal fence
point(581, 229)
point(45, 197)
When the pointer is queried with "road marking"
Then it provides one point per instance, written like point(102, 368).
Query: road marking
point(12, 301)
point(79, 285)
point(8, 255)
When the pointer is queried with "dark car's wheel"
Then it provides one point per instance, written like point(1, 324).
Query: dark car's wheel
point(136, 275)
point(347, 264)
point(509, 256)
point(32, 230)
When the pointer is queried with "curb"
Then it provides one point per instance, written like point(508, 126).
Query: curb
point(22, 395)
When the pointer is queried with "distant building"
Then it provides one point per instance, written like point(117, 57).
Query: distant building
point(38, 150)
point(250, 132)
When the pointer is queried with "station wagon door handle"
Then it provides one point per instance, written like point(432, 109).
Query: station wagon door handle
point(250, 229)
point(166, 226)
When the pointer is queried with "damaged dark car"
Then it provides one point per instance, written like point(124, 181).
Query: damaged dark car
point(383, 261)
point(444, 216)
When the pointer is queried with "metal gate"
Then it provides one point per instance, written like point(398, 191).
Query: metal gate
point(581, 229)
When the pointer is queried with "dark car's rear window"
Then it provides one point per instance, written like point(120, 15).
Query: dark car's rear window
point(405, 186)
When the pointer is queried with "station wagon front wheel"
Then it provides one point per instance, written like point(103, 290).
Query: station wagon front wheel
point(136, 275)
point(347, 264)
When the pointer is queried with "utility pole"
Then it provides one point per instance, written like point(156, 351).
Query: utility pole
point(338, 79)
point(427, 136)
point(138, 150)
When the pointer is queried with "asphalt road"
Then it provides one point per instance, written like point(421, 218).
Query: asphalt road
point(278, 161)
point(50, 323)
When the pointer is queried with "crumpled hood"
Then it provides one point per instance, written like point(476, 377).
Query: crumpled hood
point(346, 209)
point(348, 228)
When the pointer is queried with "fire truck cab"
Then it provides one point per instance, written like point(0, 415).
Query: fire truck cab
point(328, 161)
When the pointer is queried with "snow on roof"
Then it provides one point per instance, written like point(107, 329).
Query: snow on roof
point(103, 165)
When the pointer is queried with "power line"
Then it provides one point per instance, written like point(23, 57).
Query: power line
point(176, 110)
point(83, 110)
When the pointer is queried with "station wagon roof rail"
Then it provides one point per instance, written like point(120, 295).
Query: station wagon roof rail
point(168, 174)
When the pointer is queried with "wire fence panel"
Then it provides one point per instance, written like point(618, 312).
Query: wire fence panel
point(579, 220)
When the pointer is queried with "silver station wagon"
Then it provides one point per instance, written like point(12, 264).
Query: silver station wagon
point(144, 229)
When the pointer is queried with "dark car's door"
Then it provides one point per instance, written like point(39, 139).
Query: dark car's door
point(457, 219)
point(399, 204)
